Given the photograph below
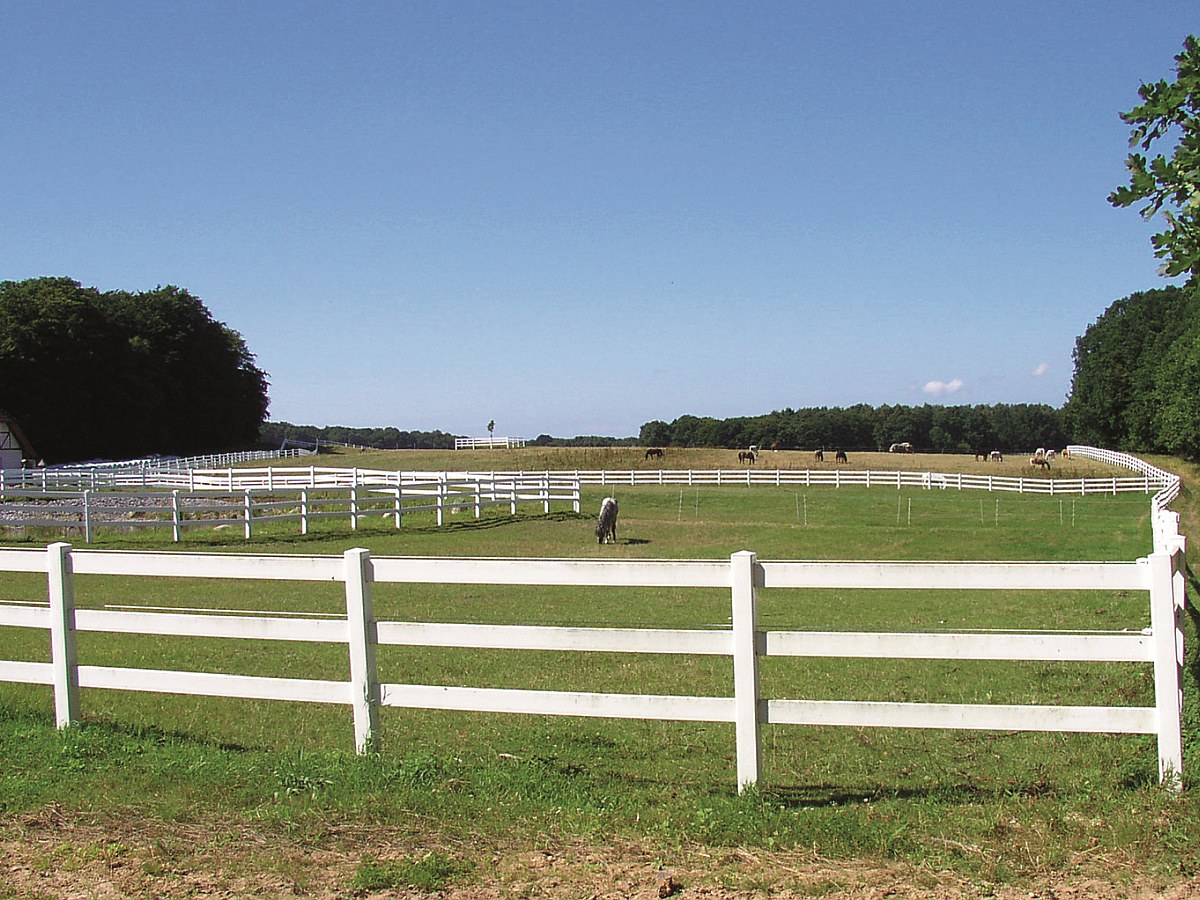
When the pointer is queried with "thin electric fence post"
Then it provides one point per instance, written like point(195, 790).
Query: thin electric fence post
point(743, 566)
point(61, 591)
point(679, 518)
point(899, 506)
point(87, 517)
point(806, 510)
point(997, 512)
point(1168, 669)
point(910, 510)
point(360, 619)
point(175, 527)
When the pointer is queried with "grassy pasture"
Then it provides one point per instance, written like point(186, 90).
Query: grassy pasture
point(995, 806)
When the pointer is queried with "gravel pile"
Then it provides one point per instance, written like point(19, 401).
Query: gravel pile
point(100, 506)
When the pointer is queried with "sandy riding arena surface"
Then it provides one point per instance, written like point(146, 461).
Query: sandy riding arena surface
point(47, 854)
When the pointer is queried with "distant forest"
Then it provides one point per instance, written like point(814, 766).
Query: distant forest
point(273, 434)
point(1004, 427)
point(1001, 427)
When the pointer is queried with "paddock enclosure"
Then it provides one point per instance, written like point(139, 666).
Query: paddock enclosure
point(732, 653)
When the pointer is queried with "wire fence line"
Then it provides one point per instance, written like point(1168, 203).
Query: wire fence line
point(248, 508)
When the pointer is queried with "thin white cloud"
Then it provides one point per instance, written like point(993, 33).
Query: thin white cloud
point(1040, 369)
point(943, 388)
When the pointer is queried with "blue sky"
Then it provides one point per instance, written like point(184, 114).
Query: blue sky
point(576, 217)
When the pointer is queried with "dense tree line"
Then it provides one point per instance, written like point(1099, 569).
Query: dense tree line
point(119, 375)
point(273, 434)
point(1137, 375)
point(583, 440)
point(1005, 427)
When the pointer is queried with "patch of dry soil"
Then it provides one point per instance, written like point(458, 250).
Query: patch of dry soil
point(47, 854)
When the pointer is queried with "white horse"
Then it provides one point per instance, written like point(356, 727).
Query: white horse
point(606, 523)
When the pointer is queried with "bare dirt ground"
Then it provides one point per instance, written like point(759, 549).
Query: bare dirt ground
point(49, 854)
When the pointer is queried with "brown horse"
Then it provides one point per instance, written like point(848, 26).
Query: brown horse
point(654, 453)
point(840, 456)
point(747, 456)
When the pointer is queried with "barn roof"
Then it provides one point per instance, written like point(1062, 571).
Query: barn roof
point(12, 427)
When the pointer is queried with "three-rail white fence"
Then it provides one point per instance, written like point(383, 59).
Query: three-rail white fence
point(1160, 646)
point(1159, 575)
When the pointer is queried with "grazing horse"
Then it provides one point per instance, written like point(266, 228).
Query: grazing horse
point(819, 456)
point(840, 456)
point(747, 456)
point(996, 456)
point(904, 447)
point(1040, 461)
point(606, 522)
point(654, 453)
point(981, 455)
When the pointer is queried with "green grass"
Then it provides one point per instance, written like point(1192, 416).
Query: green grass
point(993, 805)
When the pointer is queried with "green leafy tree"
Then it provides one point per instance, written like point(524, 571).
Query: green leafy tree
point(1169, 185)
point(118, 375)
point(1175, 398)
point(1130, 368)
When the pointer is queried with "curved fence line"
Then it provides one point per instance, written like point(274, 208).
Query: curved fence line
point(1171, 483)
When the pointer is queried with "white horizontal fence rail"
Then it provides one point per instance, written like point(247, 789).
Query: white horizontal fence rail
point(1159, 576)
point(181, 474)
point(303, 495)
point(130, 473)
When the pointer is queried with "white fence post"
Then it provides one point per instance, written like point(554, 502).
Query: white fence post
point(360, 619)
point(1168, 668)
point(354, 503)
point(745, 667)
point(87, 518)
point(247, 513)
point(304, 510)
point(61, 590)
point(175, 527)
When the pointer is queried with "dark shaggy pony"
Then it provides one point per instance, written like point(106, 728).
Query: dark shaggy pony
point(606, 523)
point(654, 452)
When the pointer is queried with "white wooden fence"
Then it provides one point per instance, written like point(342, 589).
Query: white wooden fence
point(247, 502)
point(1160, 646)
